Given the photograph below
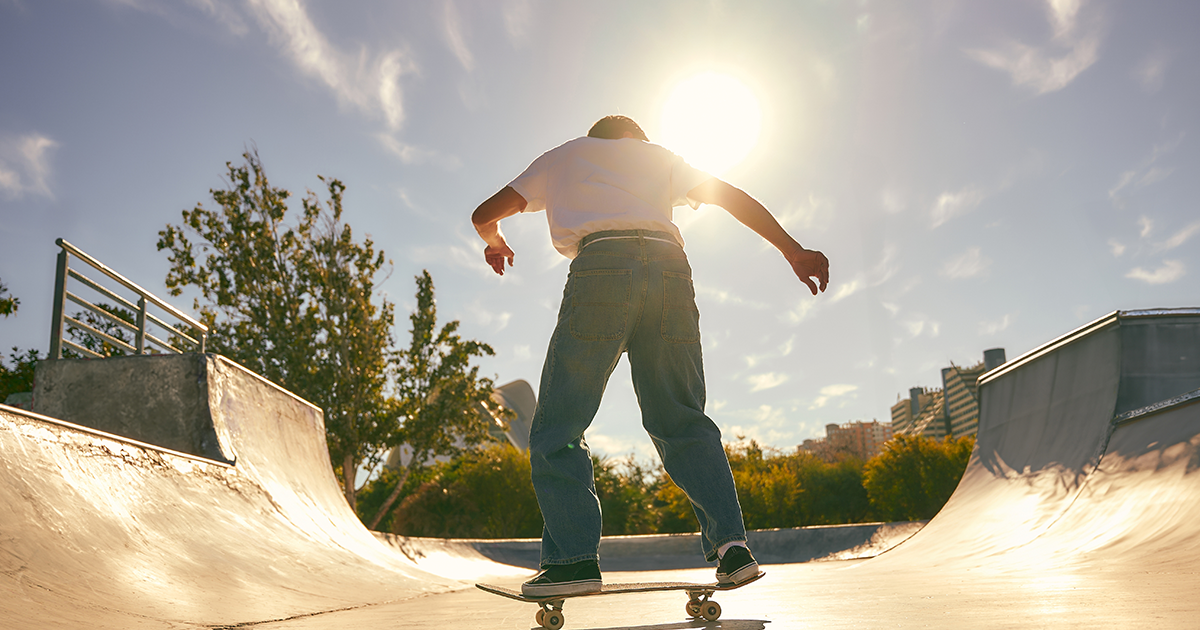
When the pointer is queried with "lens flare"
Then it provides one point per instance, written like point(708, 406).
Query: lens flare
point(712, 120)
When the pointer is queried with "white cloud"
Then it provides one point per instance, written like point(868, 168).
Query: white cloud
point(877, 275)
point(1180, 237)
point(369, 84)
point(518, 20)
point(524, 352)
point(410, 154)
point(25, 165)
point(759, 382)
point(919, 325)
point(455, 37)
point(1151, 72)
point(722, 296)
point(993, 327)
point(1147, 226)
point(846, 289)
point(951, 204)
point(893, 201)
point(830, 392)
point(1171, 271)
point(815, 215)
point(1116, 247)
point(969, 264)
point(1074, 47)
point(803, 309)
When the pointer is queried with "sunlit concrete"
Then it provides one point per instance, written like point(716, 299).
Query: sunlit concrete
point(1080, 507)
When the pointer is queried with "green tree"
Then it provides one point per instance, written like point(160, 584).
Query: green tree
point(483, 493)
point(18, 378)
point(8, 303)
point(626, 489)
point(295, 303)
point(99, 345)
point(444, 403)
point(914, 476)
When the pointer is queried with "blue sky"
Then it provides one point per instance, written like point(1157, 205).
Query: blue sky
point(980, 174)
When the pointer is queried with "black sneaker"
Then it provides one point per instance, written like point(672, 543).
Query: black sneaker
point(564, 579)
point(737, 566)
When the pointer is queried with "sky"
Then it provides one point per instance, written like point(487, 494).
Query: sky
point(980, 173)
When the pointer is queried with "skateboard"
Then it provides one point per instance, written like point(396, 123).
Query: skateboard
point(699, 605)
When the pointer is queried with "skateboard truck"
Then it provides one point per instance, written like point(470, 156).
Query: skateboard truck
point(700, 604)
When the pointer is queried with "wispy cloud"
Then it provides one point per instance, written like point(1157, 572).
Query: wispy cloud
point(411, 154)
point(25, 165)
point(1146, 173)
point(879, 273)
point(722, 296)
point(969, 264)
point(1169, 272)
point(1145, 225)
point(518, 20)
point(1152, 71)
point(1180, 237)
point(830, 392)
point(993, 327)
point(1074, 47)
point(952, 204)
point(759, 382)
point(813, 215)
point(371, 83)
point(1116, 247)
point(456, 39)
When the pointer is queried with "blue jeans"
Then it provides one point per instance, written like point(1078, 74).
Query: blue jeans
point(627, 295)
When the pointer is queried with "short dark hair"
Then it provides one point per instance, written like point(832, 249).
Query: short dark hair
point(614, 128)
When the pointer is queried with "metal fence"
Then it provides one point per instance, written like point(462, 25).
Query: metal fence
point(188, 332)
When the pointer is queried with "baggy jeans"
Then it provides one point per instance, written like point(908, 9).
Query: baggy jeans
point(627, 292)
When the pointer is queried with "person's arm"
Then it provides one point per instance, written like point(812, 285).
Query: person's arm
point(806, 263)
point(486, 220)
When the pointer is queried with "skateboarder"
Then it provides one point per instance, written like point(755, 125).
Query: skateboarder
point(608, 198)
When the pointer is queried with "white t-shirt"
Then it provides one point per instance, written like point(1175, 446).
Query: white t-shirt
point(592, 184)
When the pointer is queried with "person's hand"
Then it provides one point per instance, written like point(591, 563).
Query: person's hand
point(495, 255)
point(809, 264)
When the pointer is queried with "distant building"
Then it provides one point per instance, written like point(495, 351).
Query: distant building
point(517, 397)
point(863, 440)
point(950, 411)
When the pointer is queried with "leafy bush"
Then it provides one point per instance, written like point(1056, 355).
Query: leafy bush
point(914, 476)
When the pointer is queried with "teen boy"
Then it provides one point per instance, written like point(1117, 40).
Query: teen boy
point(609, 199)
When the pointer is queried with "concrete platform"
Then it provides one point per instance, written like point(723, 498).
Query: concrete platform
point(1080, 508)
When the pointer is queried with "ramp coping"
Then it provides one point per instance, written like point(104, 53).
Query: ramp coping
point(17, 411)
point(1130, 417)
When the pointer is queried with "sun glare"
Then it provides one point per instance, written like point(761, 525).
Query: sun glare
point(712, 120)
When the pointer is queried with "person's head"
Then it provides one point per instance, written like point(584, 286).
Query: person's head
point(615, 128)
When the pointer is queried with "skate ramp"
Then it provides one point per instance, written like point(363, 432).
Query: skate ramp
point(1082, 492)
point(1086, 452)
point(104, 531)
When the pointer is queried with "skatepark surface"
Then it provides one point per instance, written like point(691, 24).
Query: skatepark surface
point(216, 507)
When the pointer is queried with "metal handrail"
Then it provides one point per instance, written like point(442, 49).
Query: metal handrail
point(141, 336)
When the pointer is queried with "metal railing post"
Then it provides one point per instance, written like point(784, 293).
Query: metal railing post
point(56, 318)
point(140, 336)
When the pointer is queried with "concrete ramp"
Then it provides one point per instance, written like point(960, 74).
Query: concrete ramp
point(1080, 507)
point(102, 531)
point(1087, 451)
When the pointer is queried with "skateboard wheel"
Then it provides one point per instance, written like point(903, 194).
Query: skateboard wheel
point(540, 617)
point(710, 610)
point(693, 609)
point(553, 620)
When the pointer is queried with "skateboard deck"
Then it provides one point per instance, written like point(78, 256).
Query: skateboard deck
point(699, 605)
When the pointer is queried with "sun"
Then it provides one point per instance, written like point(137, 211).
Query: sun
point(712, 120)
